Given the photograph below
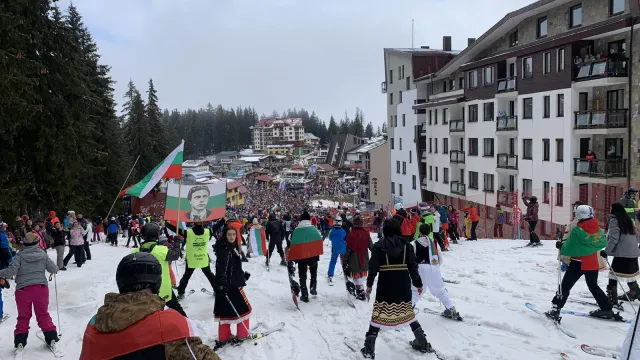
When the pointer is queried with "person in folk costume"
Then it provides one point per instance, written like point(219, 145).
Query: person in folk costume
point(133, 324)
point(236, 224)
point(583, 246)
point(394, 260)
point(338, 237)
point(429, 260)
point(164, 255)
point(305, 249)
point(623, 246)
point(357, 257)
point(231, 304)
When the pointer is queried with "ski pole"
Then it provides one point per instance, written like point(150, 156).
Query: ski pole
point(238, 315)
point(620, 284)
point(559, 275)
point(55, 285)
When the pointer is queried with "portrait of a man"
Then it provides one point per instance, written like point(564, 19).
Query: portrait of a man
point(198, 198)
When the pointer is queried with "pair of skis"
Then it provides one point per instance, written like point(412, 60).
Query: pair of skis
point(57, 352)
point(593, 351)
point(255, 334)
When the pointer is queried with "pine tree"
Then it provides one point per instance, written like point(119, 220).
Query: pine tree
point(154, 118)
point(357, 127)
point(333, 127)
point(378, 131)
point(138, 133)
point(384, 127)
point(368, 132)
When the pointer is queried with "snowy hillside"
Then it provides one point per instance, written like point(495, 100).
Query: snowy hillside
point(495, 282)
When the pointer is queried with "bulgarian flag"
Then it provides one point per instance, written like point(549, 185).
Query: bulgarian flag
point(169, 168)
point(258, 241)
point(306, 242)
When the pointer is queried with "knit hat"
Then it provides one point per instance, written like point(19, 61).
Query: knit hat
point(305, 216)
point(52, 213)
point(31, 238)
point(357, 222)
point(255, 221)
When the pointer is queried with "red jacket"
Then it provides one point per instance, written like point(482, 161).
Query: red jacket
point(473, 213)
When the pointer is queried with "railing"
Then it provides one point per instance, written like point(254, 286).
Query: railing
point(424, 154)
point(601, 119)
point(419, 101)
point(506, 198)
point(383, 86)
point(600, 168)
point(506, 85)
point(507, 123)
point(456, 125)
point(458, 188)
point(506, 161)
point(423, 130)
point(602, 68)
point(456, 157)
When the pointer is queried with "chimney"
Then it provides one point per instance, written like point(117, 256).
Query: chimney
point(446, 43)
point(470, 41)
point(424, 47)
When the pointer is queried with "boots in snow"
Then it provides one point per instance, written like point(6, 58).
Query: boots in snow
point(369, 349)
point(330, 279)
point(20, 340)
point(304, 296)
point(420, 343)
point(312, 287)
point(633, 293)
point(244, 257)
point(50, 336)
point(554, 314)
point(351, 288)
point(360, 294)
point(605, 314)
point(612, 294)
point(452, 314)
point(283, 263)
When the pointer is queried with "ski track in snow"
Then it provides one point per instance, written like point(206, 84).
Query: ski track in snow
point(495, 282)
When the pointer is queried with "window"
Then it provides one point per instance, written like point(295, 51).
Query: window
point(575, 16)
point(392, 143)
point(461, 83)
point(403, 120)
point(559, 194)
point(488, 111)
point(430, 173)
point(545, 193)
point(413, 182)
point(402, 77)
point(399, 97)
point(527, 187)
point(435, 117)
point(390, 76)
point(390, 98)
point(527, 67)
point(395, 120)
point(430, 145)
point(408, 85)
point(410, 156)
point(488, 183)
point(560, 105)
point(559, 150)
point(473, 113)
point(400, 144)
point(400, 189)
point(546, 63)
point(444, 86)
point(487, 148)
point(513, 39)
point(404, 167)
point(473, 180)
point(452, 84)
point(436, 174)
point(546, 104)
point(616, 7)
point(390, 120)
point(445, 116)
point(399, 72)
point(445, 145)
point(546, 149)
point(542, 27)
point(488, 76)
point(527, 108)
point(527, 149)
point(393, 187)
point(473, 146)
point(398, 167)
point(435, 147)
point(430, 114)
point(560, 60)
point(473, 79)
point(445, 175)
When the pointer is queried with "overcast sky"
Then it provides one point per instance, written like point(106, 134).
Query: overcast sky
point(323, 55)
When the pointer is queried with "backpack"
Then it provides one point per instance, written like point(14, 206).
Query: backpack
point(405, 228)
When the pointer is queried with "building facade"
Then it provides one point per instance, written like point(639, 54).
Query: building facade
point(277, 131)
point(516, 113)
point(379, 175)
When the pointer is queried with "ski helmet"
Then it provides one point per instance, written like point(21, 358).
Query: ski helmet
point(139, 271)
point(150, 232)
point(583, 212)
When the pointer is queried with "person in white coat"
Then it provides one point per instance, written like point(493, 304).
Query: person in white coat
point(87, 235)
point(631, 344)
point(429, 260)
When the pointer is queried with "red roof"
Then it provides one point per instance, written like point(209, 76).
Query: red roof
point(265, 178)
point(287, 121)
point(233, 184)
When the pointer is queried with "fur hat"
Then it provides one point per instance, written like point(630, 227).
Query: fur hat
point(31, 238)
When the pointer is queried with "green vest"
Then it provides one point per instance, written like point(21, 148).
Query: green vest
point(426, 219)
point(197, 251)
point(160, 253)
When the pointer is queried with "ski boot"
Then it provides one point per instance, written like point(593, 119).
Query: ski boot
point(369, 349)
point(180, 295)
point(633, 293)
point(612, 294)
point(360, 294)
point(283, 263)
point(304, 294)
point(219, 344)
point(554, 314)
point(312, 287)
point(455, 241)
point(452, 314)
point(266, 262)
point(330, 279)
point(20, 340)
point(420, 343)
point(351, 288)
point(603, 314)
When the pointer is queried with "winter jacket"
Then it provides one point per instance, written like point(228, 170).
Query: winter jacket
point(444, 218)
point(584, 244)
point(59, 237)
point(136, 326)
point(393, 250)
point(453, 218)
point(229, 271)
point(338, 239)
point(532, 210)
point(632, 351)
point(28, 267)
point(358, 235)
point(473, 213)
point(5, 249)
point(77, 236)
point(621, 245)
point(274, 230)
point(630, 205)
point(429, 219)
point(88, 232)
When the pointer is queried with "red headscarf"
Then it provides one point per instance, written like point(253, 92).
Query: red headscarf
point(358, 241)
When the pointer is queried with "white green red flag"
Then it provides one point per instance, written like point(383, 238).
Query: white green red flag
point(258, 241)
point(169, 168)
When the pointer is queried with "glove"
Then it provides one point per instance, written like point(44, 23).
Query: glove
point(246, 276)
point(558, 245)
point(4, 284)
point(603, 254)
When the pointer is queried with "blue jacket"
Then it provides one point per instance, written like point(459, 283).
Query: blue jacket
point(338, 239)
point(444, 215)
point(4, 244)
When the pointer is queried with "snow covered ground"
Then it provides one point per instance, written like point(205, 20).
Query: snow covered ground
point(495, 282)
point(329, 204)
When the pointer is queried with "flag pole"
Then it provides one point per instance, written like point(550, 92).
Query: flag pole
point(122, 187)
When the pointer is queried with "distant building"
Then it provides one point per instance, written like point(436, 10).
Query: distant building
point(311, 140)
point(284, 149)
point(277, 131)
point(195, 165)
point(339, 146)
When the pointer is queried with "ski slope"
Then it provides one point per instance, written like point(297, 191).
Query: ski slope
point(495, 282)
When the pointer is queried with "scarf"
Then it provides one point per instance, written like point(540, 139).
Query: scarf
point(358, 241)
point(434, 256)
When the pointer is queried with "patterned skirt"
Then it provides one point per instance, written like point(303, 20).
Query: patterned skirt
point(626, 269)
point(393, 308)
point(225, 314)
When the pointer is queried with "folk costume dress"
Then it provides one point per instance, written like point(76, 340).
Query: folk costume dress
point(229, 274)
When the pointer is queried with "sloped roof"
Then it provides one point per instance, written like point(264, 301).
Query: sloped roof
point(265, 178)
point(279, 121)
point(194, 163)
point(326, 167)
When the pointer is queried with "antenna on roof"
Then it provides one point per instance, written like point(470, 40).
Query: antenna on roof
point(412, 33)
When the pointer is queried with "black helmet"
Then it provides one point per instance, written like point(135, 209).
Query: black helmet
point(139, 271)
point(150, 232)
point(533, 199)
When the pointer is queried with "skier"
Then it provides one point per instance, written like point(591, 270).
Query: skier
point(76, 245)
point(357, 257)
point(112, 232)
point(305, 250)
point(32, 291)
point(630, 203)
point(134, 232)
point(274, 232)
point(59, 236)
point(583, 246)
point(623, 246)
point(337, 236)
point(532, 219)
point(164, 255)
point(133, 323)
point(393, 258)
point(444, 225)
point(231, 304)
point(429, 260)
point(453, 224)
point(427, 217)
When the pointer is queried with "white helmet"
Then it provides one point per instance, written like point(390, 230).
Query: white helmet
point(398, 206)
point(583, 212)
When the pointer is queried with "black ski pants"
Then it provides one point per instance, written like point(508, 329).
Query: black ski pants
point(187, 275)
point(437, 237)
point(474, 226)
point(272, 245)
point(453, 232)
point(86, 253)
point(312, 266)
point(571, 276)
point(113, 239)
point(76, 251)
point(533, 237)
point(175, 304)
point(134, 236)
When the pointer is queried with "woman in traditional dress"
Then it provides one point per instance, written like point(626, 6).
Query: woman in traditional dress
point(231, 306)
point(623, 246)
point(393, 257)
point(357, 256)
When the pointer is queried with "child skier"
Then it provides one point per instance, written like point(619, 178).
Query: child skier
point(32, 291)
point(429, 261)
point(337, 236)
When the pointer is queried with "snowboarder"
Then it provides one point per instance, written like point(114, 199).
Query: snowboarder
point(623, 246)
point(357, 257)
point(137, 312)
point(305, 250)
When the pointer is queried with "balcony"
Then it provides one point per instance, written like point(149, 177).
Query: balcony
point(601, 73)
point(456, 126)
point(601, 171)
point(383, 87)
point(506, 198)
point(456, 157)
point(602, 122)
point(507, 84)
point(507, 162)
point(424, 156)
point(458, 188)
point(423, 130)
point(507, 123)
point(419, 101)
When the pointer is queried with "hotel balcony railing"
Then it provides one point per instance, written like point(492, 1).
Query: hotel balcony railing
point(506, 85)
point(602, 68)
point(383, 87)
point(507, 123)
point(458, 188)
point(456, 126)
point(601, 119)
point(600, 168)
point(456, 157)
point(506, 198)
point(506, 161)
